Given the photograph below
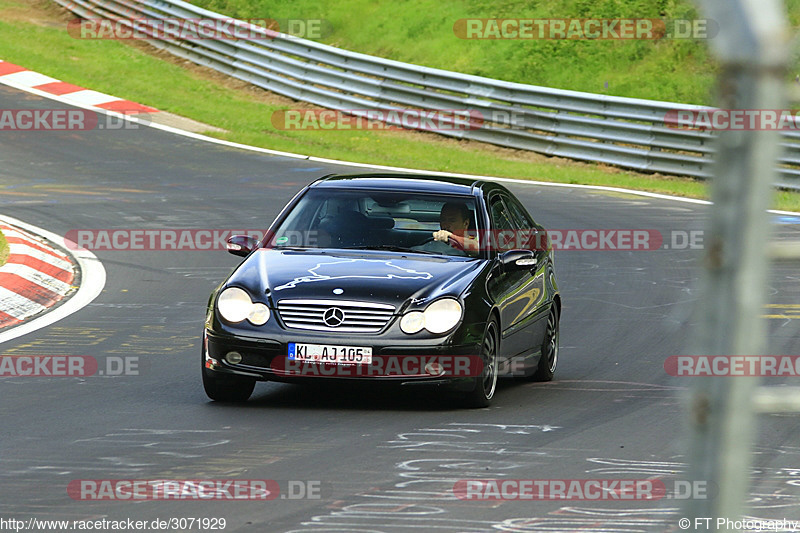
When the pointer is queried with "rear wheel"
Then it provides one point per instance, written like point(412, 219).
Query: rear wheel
point(486, 383)
point(226, 388)
point(549, 358)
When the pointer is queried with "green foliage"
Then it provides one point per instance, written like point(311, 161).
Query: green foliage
point(421, 32)
point(681, 69)
point(3, 249)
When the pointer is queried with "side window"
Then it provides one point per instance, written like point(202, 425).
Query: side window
point(529, 236)
point(514, 227)
point(503, 228)
point(499, 214)
point(518, 214)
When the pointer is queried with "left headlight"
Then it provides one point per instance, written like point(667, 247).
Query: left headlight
point(235, 305)
point(439, 317)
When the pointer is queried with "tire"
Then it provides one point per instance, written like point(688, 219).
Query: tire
point(549, 358)
point(486, 384)
point(232, 389)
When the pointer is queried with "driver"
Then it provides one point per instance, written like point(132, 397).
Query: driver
point(454, 221)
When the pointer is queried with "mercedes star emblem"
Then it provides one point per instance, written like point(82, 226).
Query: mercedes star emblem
point(333, 317)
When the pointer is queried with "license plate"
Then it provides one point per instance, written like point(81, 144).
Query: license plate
point(330, 353)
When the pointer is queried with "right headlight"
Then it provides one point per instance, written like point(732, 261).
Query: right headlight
point(235, 305)
point(439, 317)
point(412, 322)
point(259, 314)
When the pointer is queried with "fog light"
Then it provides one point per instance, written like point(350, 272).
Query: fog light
point(434, 369)
point(233, 358)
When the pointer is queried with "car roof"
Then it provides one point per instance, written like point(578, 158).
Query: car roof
point(404, 182)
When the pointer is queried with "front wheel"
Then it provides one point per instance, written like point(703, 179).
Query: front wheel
point(549, 358)
point(233, 389)
point(486, 383)
point(228, 389)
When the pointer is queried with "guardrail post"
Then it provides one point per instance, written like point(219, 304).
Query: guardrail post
point(752, 46)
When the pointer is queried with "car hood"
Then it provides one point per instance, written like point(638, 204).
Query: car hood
point(378, 277)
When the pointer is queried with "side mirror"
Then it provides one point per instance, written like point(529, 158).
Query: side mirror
point(518, 259)
point(241, 244)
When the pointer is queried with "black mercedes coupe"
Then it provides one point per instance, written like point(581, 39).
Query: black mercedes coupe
point(397, 278)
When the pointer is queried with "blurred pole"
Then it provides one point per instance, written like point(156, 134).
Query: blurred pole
point(752, 46)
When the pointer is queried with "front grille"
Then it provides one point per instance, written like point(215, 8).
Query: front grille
point(356, 317)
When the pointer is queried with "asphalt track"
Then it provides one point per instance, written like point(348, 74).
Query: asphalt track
point(384, 462)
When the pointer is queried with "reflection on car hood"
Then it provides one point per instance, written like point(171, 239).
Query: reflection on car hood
point(354, 275)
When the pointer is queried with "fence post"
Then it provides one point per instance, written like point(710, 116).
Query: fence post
point(752, 46)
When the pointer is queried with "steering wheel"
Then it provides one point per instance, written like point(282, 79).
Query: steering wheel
point(450, 241)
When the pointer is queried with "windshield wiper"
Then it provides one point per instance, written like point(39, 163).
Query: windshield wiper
point(293, 248)
point(396, 248)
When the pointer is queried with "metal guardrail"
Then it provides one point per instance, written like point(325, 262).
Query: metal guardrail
point(626, 132)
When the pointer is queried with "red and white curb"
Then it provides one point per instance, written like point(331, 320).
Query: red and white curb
point(20, 77)
point(35, 277)
point(39, 275)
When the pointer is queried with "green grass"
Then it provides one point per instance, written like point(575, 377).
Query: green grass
point(134, 73)
point(3, 249)
point(421, 32)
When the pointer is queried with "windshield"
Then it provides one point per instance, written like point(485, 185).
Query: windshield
point(381, 220)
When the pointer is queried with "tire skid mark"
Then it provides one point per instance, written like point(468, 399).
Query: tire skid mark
point(421, 497)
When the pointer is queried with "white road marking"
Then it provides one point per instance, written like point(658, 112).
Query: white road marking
point(93, 279)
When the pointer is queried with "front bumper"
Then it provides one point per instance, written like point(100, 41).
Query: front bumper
point(405, 360)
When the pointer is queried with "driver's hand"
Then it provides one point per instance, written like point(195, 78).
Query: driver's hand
point(442, 235)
